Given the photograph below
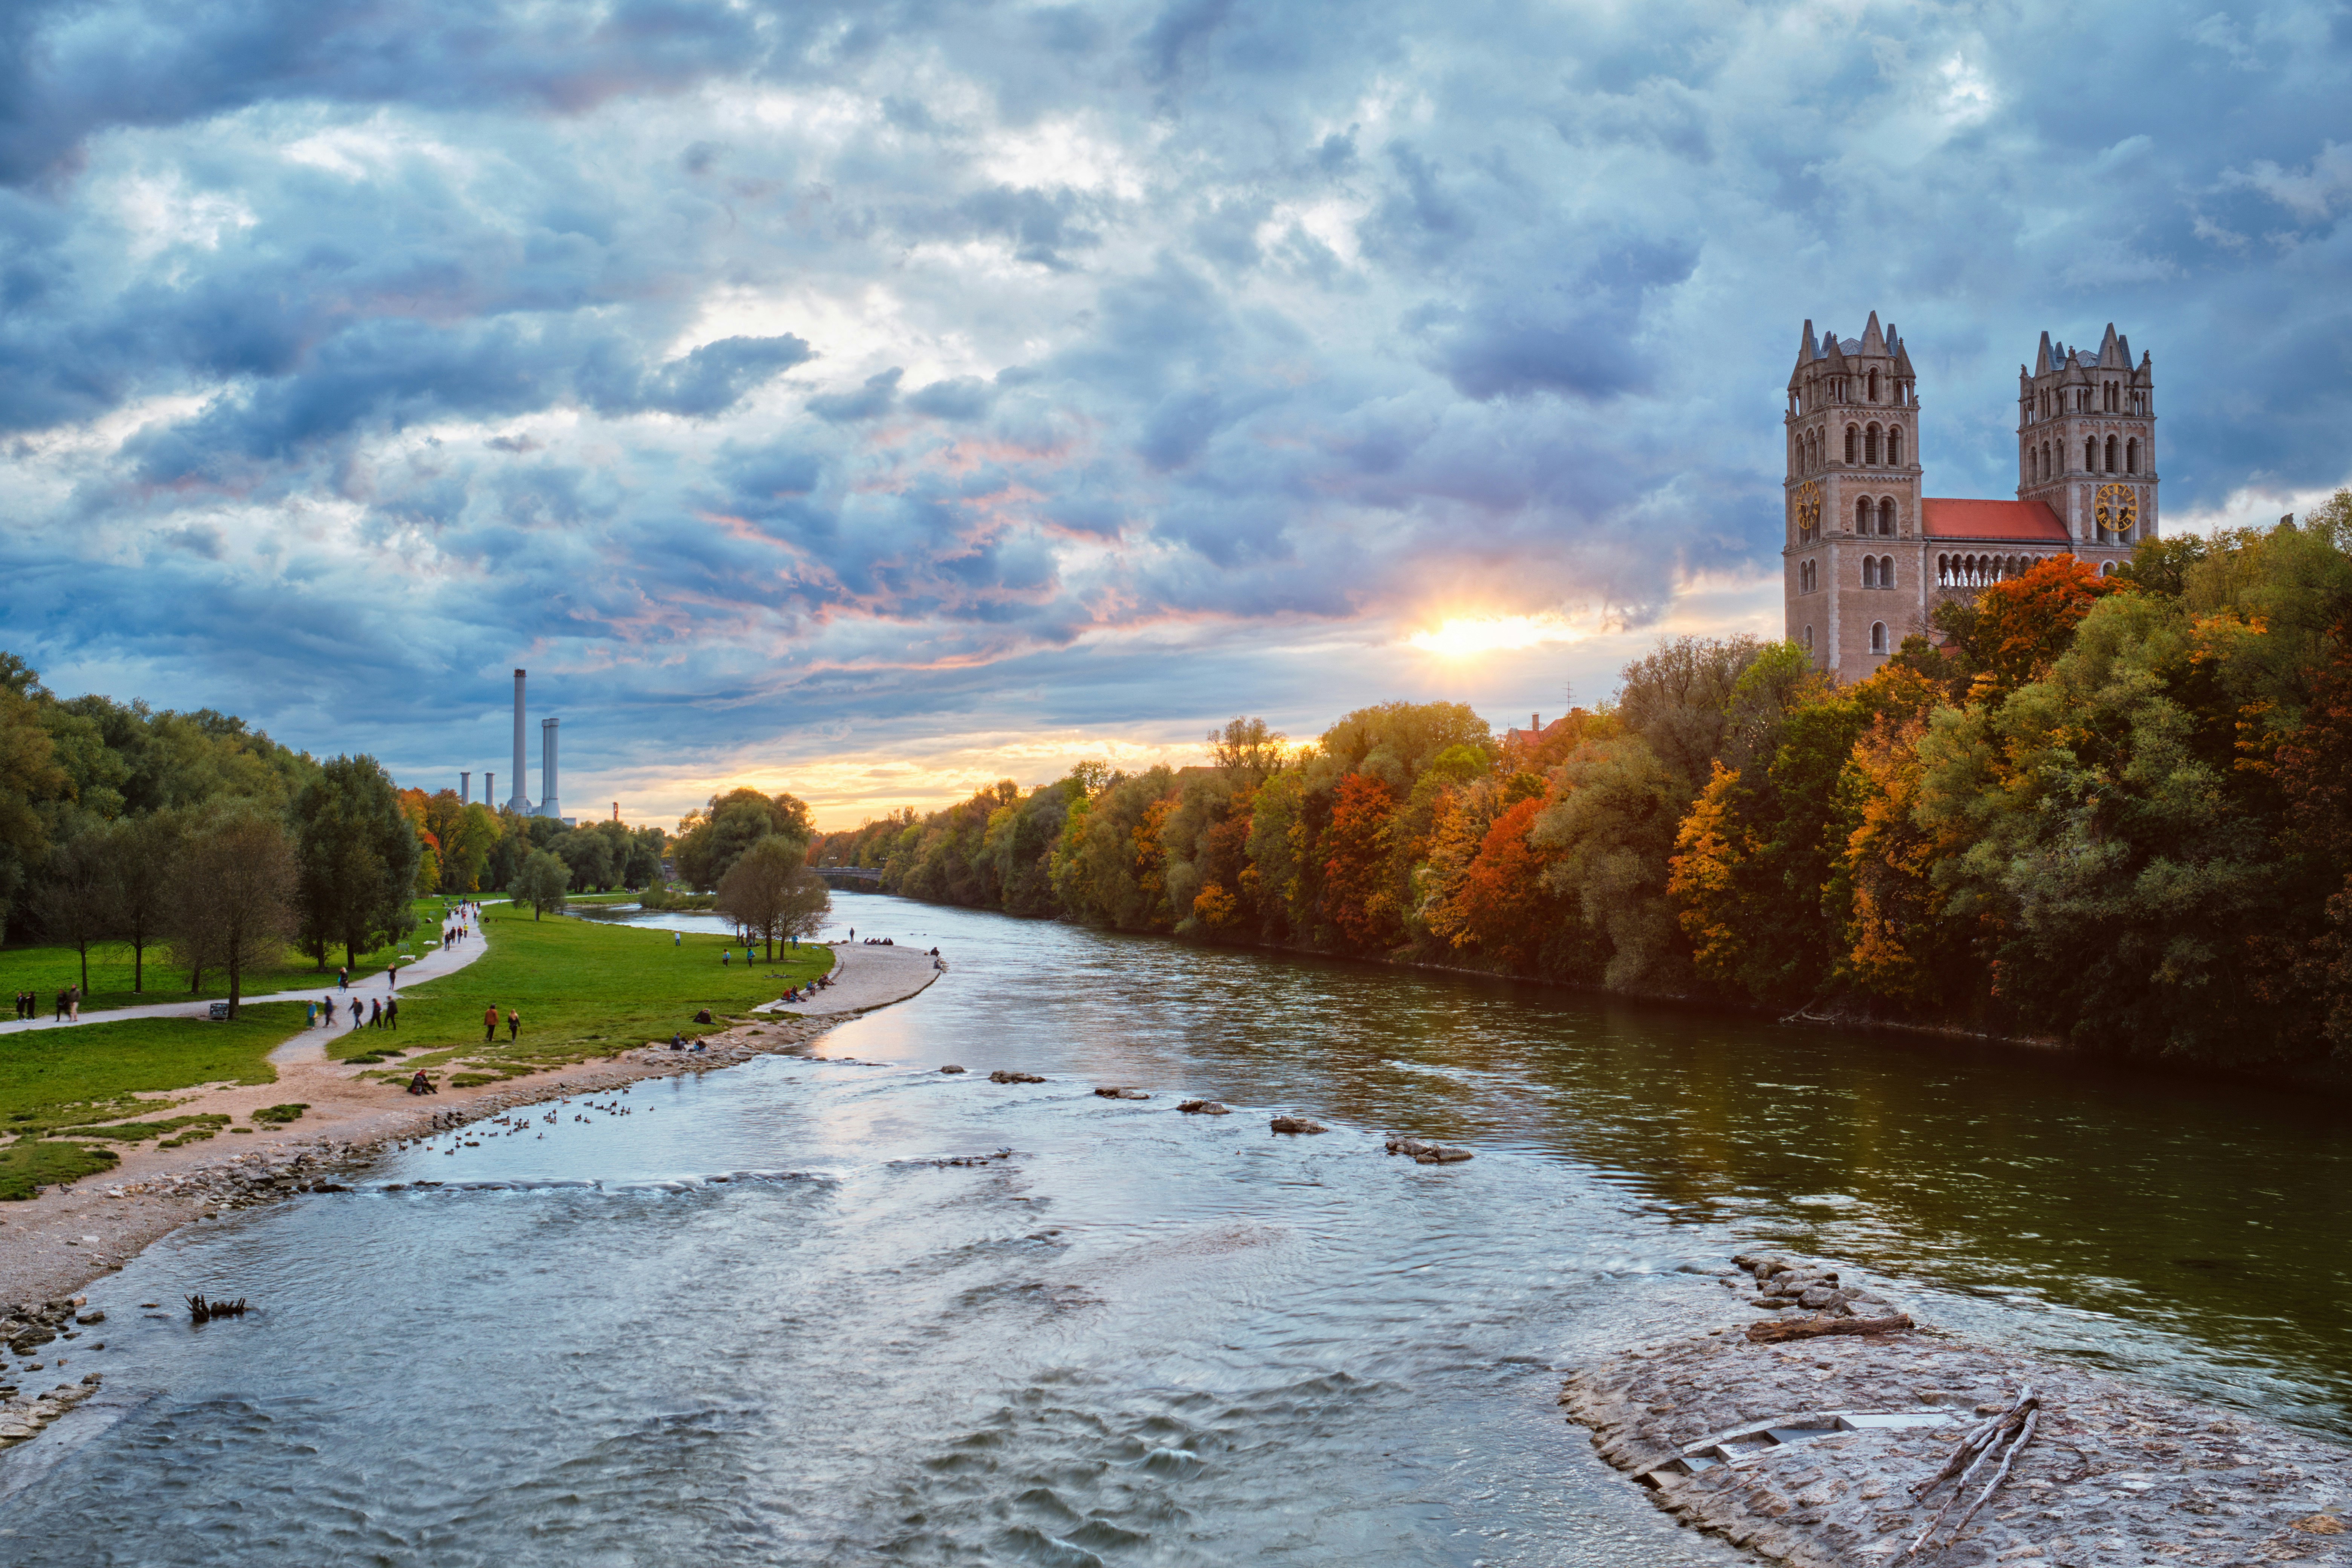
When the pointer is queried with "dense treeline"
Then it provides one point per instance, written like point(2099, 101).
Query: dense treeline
point(2114, 810)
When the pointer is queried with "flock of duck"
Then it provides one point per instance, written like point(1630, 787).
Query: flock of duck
point(514, 1124)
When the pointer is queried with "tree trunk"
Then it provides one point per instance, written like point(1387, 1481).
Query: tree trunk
point(235, 968)
point(84, 945)
point(138, 965)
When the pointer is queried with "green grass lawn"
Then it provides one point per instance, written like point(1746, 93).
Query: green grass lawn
point(584, 988)
point(46, 970)
point(69, 1081)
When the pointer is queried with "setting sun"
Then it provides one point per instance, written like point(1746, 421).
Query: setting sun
point(1468, 636)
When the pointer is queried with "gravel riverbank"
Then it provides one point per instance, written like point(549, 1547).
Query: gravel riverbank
point(1807, 1451)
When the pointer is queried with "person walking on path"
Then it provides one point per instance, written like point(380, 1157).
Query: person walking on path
point(73, 1003)
point(514, 1024)
point(392, 978)
point(490, 1023)
point(356, 1013)
point(392, 1013)
point(61, 1008)
point(375, 1014)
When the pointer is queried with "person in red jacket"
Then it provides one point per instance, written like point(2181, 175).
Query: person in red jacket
point(490, 1024)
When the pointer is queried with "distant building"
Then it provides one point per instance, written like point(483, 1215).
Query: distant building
point(1538, 732)
point(1867, 558)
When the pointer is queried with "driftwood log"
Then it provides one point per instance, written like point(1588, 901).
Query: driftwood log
point(2006, 1432)
point(1773, 1331)
point(201, 1311)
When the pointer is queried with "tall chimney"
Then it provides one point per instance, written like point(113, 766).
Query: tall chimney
point(465, 789)
point(546, 804)
point(1535, 722)
point(521, 801)
point(490, 791)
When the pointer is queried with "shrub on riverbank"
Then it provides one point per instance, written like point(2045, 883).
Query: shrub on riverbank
point(2107, 810)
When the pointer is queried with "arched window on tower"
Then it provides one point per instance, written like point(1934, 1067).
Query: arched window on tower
point(1878, 636)
point(2091, 455)
point(1870, 571)
point(1853, 444)
point(1887, 516)
point(2131, 456)
point(1872, 395)
point(2111, 454)
point(1894, 446)
point(1870, 445)
point(2045, 462)
point(1887, 571)
point(1809, 639)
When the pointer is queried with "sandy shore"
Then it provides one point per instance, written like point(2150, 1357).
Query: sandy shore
point(54, 1244)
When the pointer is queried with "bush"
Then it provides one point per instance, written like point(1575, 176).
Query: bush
point(280, 1114)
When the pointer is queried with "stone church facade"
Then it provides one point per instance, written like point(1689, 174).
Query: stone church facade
point(1868, 558)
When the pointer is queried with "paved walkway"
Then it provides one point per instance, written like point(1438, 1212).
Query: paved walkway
point(433, 961)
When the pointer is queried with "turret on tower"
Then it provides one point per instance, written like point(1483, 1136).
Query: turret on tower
point(2087, 440)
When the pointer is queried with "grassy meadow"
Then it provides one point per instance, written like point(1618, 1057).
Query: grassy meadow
point(584, 988)
point(46, 970)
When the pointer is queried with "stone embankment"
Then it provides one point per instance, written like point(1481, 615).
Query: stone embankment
point(28, 1330)
point(1807, 1450)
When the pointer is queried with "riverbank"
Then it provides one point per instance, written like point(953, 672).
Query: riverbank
point(52, 1246)
point(1807, 1452)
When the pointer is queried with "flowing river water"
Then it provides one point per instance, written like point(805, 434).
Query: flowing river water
point(1143, 1337)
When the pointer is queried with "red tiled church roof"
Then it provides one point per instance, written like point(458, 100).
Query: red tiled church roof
point(2014, 520)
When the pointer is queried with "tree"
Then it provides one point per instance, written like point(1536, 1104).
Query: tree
point(2014, 630)
point(1357, 895)
point(359, 853)
point(1502, 908)
point(588, 856)
point(709, 840)
point(232, 892)
point(75, 899)
point(30, 777)
point(143, 852)
point(541, 882)
point(771, 890)
point(1245, 751)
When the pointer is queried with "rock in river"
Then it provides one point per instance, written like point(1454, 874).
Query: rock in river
point(1000, 1076)
point(1203, 1108)
point(952, 1069)
point(1121, 1094)
point(1427, 1154)
point(1295, 1125)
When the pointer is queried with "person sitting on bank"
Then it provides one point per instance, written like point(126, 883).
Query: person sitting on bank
point(420, 1084)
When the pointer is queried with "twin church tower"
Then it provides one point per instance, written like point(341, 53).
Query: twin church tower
point(1868, 558)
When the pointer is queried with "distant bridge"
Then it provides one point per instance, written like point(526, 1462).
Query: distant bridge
point(858, 875)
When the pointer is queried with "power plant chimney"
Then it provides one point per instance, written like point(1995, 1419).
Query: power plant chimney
point(547, 804)
point(490, 791)
point(521, 802)
point(465, 789)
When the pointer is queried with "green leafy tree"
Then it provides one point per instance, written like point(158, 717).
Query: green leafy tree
point(359, 855)
point(542, 883)
point(76, 897)
point(771, 893)
point(231, 900)
point(709, 840)
point(588, 856)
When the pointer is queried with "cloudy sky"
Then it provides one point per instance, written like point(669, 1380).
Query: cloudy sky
point(873, 400)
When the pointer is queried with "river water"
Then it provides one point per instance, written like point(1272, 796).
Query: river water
point(1141, 1336)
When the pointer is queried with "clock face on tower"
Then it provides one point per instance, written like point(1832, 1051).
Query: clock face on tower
point(2116, 510)
point(1807, 500)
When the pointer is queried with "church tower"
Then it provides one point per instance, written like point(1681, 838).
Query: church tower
point(2086, 444)
point(1853, 551)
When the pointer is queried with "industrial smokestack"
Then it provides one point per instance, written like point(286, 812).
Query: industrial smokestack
point(521, 801)
point(547, 805)
point(465, 789)
point(490, 791)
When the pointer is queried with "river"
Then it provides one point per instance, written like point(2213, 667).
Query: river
point(1143, 1337)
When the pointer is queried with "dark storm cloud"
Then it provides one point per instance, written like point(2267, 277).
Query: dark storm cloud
point(824, 361)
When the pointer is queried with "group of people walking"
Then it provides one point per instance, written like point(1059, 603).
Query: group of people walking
point(380, 1013)
point(68, 1005)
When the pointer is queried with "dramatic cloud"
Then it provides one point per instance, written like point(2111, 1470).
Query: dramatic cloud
point(788, 385)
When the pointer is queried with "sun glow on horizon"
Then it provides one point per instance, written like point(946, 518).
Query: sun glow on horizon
point(1466, 637)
